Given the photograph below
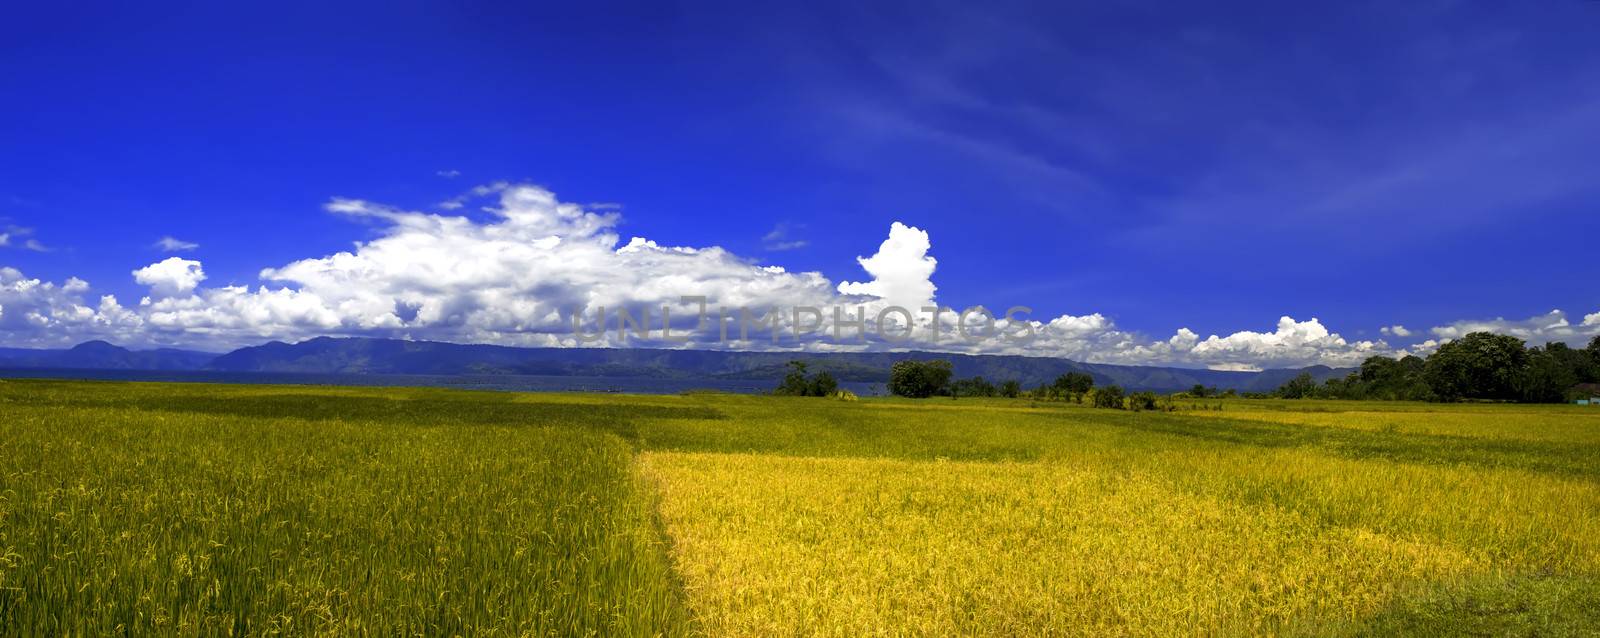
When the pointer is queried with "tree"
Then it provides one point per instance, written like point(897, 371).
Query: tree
point(1198, 391)
point(1577, 363)
point(920, 379)
point(1303, 386)
point(1547, 376)
point(794, 382)
point(797, 384)
point(822, 385)
point(974, 387)
point(1108, 397)
point(1480, 365)
point(1011, 389)
point(1142, 401)
point(1073, 385)
point(1594, 354)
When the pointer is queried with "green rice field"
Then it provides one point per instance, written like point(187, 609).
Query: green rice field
point(202, 510)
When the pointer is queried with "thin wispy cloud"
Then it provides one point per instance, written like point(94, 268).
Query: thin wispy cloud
point(779, 238)
point(172, 244)
point(20, 237)
point(448, 174)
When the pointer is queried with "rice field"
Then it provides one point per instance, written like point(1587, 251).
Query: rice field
point(171, 509)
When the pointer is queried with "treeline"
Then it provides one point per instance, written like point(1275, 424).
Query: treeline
point(935, 378)
point(797, 383)
point(1480, 366)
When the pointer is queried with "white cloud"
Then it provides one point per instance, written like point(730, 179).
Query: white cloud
point(35, 313)
point(1537, 330)
point(173, 245)
point(521, 271)
point(171, 277)
point(1396, 330)
point(448, 174)
point(778, 239)
point(14, 233)
point(902, 270)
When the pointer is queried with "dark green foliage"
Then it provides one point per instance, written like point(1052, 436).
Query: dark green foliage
point(1480, 365)
point(1547, 375)
point(920, 379)
point(794, 382)
point(1108, 397)
point(822, 385)
point(1073, 385)
point(1302, 386)
point(797, 384)
point(1140, 401)
point(1011, 389)
point(974, 387)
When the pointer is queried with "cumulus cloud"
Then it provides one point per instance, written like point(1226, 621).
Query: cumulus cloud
point(1292, 344)
point(172, 277)
point(1396, 330)
point(1537, 330)
point(902, 270)
point(525, 266)
point(36, 313)
point(171, 244)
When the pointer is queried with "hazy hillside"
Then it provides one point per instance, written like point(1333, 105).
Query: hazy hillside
point(384, 356)
point(99, 355)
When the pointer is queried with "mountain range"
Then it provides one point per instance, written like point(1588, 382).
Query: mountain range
point(391, 356)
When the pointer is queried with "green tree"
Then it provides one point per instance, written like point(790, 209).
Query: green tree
point(1302, 386)
point(1073, 385)
point(920, 379)
point(1011, 389)
point(794, 382)
point(1577, 363)
point(1198, 391)
point(1594, 358)
point(974, 387)
point(1140, 401)
point(822, 385)
point(1546, 377)
point(1481, 365)
point(1108, 397)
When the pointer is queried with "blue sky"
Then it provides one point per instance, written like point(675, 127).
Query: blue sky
point(1211, 168)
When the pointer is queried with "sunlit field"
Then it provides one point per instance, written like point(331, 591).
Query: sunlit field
point(211, 509)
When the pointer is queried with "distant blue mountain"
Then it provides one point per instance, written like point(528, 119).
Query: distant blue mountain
point(327, 355)
point(99, 355)
point(388, 356)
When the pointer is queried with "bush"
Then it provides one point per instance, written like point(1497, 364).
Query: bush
point(797, 384)
point(920, 379)
point(844, 395)
point(1142, 401)
point(1108, 397)
point(974, 387)
point(822, 385)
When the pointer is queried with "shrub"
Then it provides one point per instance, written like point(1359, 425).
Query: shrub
point(920, 379)
point(1108, 397)
point(1142, 401)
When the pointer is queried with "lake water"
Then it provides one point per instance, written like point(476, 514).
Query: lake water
point(500, 382)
